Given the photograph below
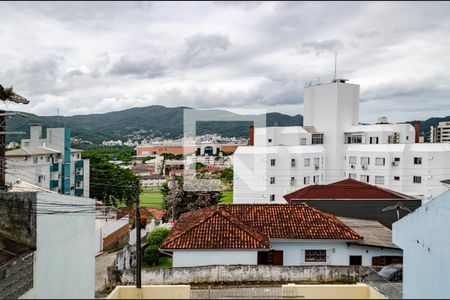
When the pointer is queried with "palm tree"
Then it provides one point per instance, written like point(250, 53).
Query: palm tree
point(8, 94)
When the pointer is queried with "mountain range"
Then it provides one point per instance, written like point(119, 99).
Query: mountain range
point(159, 121)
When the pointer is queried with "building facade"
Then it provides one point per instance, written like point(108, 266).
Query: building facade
point(440, 133)
point(333, 145)
point(49, 163)
point(424, 238)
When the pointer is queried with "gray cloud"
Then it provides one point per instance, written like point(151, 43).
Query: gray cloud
point(201, 49)
point(323, 46)
point(140, 67)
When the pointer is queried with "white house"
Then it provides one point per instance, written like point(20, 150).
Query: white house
point(49, 162)
point(64, 256)
point(333, 145)
point(424, 237)
point(440, 133)
point(274, 234)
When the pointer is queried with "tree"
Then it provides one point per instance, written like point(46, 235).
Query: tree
point(109, 183)
point(8, 94)
point(155, 239)
point(189, 193)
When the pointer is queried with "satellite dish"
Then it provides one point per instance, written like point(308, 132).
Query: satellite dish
point(397, 207)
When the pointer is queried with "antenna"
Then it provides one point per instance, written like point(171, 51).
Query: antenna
point(397, 207)
point(335, 64)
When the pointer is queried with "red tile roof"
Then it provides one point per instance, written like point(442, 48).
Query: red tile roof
point(145, 211)
point(345, 189)
point(250, 226)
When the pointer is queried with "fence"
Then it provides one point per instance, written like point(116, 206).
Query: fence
point(236, 292)
point(392, 290)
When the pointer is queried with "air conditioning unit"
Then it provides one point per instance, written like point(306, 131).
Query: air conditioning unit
point(352, 166)
point(395, 163)
point(364, 167)
point(292, 182)
point(316, 167)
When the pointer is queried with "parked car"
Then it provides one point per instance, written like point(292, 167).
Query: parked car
point(391, 273)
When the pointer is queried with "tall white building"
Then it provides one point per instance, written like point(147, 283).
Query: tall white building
point(440, 133)
point(49, 163)
point(333, 145)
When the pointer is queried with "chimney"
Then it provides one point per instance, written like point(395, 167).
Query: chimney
point(417, 128)
point(251, 142)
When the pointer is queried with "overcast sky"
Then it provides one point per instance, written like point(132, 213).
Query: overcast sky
point(97, 57)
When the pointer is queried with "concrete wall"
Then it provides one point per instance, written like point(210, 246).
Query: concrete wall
point(16, 276)
point(65, 256)
point(240, 273)
point(424, 238)
point(17, 217)
point(189, 258)
point(338, 252)
point(151, 292)
point(334, 291)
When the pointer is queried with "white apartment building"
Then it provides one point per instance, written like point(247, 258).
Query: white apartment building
point(49, 163)
point(333, 145)
point(440, 133)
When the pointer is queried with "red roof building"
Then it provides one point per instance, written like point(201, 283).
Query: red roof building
point(355, 199)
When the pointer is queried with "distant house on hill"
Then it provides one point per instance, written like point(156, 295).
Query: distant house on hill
point(273, 234)
point(354, 199)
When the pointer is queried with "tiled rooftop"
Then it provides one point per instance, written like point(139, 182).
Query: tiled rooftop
point(345, 189)
point(252, 225)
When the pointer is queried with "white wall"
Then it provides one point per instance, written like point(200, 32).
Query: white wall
point(64, 261)
point(337, 252)
point(190, 258)
point(424, 238)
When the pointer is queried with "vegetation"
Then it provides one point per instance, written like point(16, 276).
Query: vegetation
point(109, 183)
point(123, 153)
point(227, 197)
point(188, 193)
point(155, 239)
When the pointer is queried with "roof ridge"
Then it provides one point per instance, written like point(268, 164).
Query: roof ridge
point(248, 229)
point(213, 210)
point(334, 219)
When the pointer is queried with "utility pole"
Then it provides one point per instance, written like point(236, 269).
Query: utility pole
point(137, 226)
point(2, 150)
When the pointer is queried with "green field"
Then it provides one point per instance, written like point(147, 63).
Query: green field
point(151, 199)
point(228, 198)
point(155, 199)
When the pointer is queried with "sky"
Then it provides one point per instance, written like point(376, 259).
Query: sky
point(95, 57)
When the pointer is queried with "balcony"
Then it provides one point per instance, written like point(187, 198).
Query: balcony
point(54, 184)
point(79, 177)
point(79, 192)
point(54, 167)
point(79, 164)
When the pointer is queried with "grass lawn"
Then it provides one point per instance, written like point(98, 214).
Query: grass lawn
point(228, 198)
point(151, 199)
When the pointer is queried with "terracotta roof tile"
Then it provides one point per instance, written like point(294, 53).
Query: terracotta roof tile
point(251, 226)
point(147, 211)
point(345, 189)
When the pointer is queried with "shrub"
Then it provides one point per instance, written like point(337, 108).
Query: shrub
point(157, 236)
point(151, 254)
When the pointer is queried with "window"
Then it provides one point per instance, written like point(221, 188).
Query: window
point(272, 197)
point(316, 161)
point(417, 179)
point(35, 160)
point(379, 161)
point(307, 162)
point(292, 180)
point(41, 178)
point(317, 138)
point(78, 184)
point(78, 156)
point(352, 160)
point(352, 175)
point(354, 139)
point(396, 159)
point(303, 141)
point(272, 162)
point(315, 255)
point(365, 160)
point(374, 140)
point(293, 162)
point(417, 160)
point(306, 180)
point(364, 178)
point(316, 179)
point(272, 180)
point(26, 144)
point(47, 158)
point(269, 140)
point(42, 158)
point(396, 178)
point(379, 179)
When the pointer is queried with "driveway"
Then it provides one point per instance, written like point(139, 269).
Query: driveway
point(102, 262)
